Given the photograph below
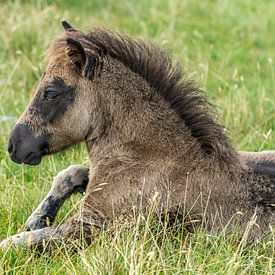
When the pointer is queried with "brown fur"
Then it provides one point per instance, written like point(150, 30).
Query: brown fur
point(150, 135)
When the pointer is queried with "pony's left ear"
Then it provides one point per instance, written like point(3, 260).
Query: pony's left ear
point(83, 62)
point(67, 27)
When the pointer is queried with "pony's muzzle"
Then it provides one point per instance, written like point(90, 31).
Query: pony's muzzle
point(26, 148)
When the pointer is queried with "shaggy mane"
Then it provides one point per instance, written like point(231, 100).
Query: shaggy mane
point(155, 66)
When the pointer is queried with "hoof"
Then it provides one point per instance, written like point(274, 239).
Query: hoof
point(27, 239)
point(14, 241)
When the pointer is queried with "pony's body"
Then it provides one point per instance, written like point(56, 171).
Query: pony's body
point(151, 139)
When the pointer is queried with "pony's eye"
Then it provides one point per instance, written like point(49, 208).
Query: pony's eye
point(51, 95)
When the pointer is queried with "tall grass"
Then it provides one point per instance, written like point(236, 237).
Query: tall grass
point(226, 46)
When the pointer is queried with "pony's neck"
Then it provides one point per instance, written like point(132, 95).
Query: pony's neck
point(138, 121)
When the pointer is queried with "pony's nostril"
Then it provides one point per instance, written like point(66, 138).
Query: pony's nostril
point(10, 147)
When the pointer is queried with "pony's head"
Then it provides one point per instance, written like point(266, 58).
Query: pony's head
point(59, 113)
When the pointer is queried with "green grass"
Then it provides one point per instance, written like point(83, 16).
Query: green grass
point(228, 47)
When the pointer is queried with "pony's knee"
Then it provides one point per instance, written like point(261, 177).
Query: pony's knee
point(73, 179)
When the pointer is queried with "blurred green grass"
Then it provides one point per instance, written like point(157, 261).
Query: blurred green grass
point(226, 46)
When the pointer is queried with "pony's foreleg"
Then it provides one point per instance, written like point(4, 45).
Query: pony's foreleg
point(73, 230)
point(71, 180)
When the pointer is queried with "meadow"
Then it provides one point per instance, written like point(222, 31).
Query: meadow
point(228, 47)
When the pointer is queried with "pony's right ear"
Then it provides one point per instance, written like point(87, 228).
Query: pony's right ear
point(68, 27)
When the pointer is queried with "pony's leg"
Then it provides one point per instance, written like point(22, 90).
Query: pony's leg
point(100, 206)
point(71, 231)
point(92, 215)
point(71, 180)
point(105, 200)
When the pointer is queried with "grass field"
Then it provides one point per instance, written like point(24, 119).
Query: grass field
point(228, 47)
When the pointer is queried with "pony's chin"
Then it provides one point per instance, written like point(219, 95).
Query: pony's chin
point(33, 159)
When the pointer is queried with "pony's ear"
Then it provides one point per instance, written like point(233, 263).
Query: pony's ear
point(83, 62)
point(76, 53)
point(67, 27)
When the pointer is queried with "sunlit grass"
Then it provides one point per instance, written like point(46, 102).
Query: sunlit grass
point(226, 46)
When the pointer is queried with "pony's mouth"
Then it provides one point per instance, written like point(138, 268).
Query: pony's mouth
point(33, 158)
point(24, 147)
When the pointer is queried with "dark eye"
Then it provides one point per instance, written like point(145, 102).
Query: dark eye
point(50, 95)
